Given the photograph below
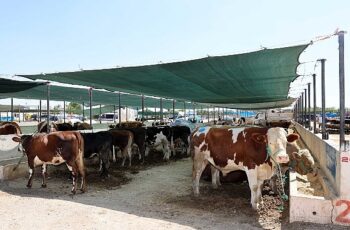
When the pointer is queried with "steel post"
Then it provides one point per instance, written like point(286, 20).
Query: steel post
point(314, 98)
point(48, 108)
point(90, 99)
point(323, 95)
point(341, 90)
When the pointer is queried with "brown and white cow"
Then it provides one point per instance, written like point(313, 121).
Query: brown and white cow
point(123, 139)
point(55, 148)
point(9, 128)
point(254, 150)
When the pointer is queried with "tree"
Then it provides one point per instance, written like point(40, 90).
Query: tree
point(74, 108)
point(56, 109)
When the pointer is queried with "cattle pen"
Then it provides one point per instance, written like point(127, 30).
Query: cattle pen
point(155, 190)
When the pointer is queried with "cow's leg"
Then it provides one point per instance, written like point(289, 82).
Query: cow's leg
point(81, 170)
point(147, 151)
point(31, 172)
point(199, 164)
point(172, 146)
point(252, 175)
point(124, 154)
point(114, 154)
point(104, 161)
point(215, 177)
point(43, 173)
point(129, 152)
point(73, 169)
point(166, 150)
point(259, 191)
point(188, 150)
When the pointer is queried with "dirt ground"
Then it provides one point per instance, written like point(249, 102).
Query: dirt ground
point(143, 197)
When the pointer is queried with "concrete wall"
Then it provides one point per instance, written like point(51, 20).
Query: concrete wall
point(327, 156)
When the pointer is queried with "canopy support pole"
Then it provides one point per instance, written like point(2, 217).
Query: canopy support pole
point(64, 111)
point(100, 114)
point(161, 109)
point(208, 114)
point(126, 113)
point(214, 114)
point(184, 110)
point(143, 108)
point(323, 93)
point(314, 97)
point(302, 108)
point(173, 110)
point(120, 109)
point(11, 109)
point(309, 104)
point(39, 111)
point(341, 91)
point(48, 108)
point(83, 111)
point(90, 98)
point(305, 107)
point(114, 121)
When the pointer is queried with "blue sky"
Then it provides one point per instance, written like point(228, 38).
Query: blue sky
point(53, 36)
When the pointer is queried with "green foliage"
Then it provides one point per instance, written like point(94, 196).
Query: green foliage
point(74, 108)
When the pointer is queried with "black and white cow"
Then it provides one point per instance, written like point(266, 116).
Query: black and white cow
point(100, 143)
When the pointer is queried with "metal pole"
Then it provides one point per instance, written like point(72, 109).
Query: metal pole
point(114, 114)
point(309, 103)
point(90, 98)
point(19, 114)
point(173, 110)
point(48, 108)
point(83, 111)
point(305, 107)
point(184, 110)
point(7, 116)
point(161, 109)
point(100, 114)
point(214, 114)
point(302, 108)
point(323, 93)
point(120, 109)
point(40, 111)
point(64, 111)
point(143, 107)
point(208, 114)
point(341, 90)
point(11, 109)
point(314, 97)
point(126, 113)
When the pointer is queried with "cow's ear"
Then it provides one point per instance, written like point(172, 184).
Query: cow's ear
point(259, 138)
point(292, 137)
point(16, 139)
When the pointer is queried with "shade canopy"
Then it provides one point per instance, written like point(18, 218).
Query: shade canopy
point(80, 95)
point(257, 77)
point(11, 86)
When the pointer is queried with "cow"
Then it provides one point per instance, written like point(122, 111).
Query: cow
point(181, 133)
point(65, 127)
point(42, 127)
point(159, 138)
point(255, 150)
point(124, 140)
point(100, 143)
point(54, 148)
point(81, 126)
point(10, 128)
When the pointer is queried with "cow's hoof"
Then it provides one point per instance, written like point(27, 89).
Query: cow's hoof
point(74, 191)
point(83, 190)
point(29, 186)
point(43, 185)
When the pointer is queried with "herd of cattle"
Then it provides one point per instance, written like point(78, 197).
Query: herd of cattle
point(221, 151)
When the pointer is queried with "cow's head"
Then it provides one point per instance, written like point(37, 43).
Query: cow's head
point(276, 142)
point(22, 140)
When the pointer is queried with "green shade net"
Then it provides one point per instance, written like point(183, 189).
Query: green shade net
point(81, 95)
point(256, 77)
point(10, 86)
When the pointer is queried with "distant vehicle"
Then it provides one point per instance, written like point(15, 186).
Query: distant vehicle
point(108, 117)
point(52, 118)
point(272, 115)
